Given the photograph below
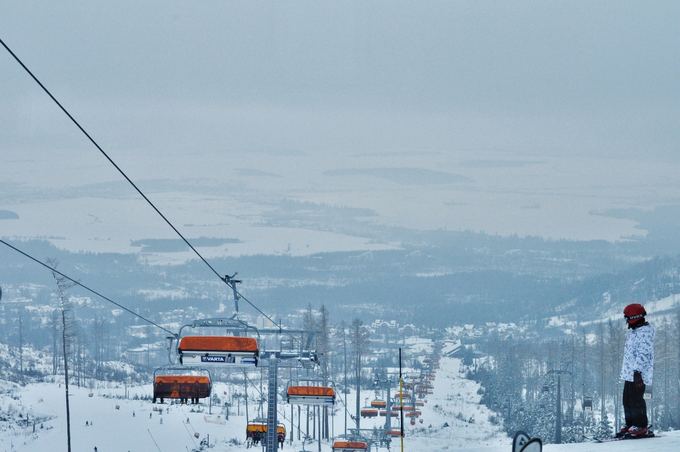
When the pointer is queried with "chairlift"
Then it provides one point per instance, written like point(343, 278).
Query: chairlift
point(311, 395)
point(350, 446)
point(256, 432)
point(218, 351)
point(404, 407)
point(178, 383)
point(587, 403)
point(369, 412)
point(377, 403)
point(237, 348)
point(402, 395)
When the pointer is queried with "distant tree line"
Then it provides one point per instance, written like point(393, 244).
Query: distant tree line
point(519, 377)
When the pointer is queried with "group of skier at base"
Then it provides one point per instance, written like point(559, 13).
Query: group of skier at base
point(637, 371)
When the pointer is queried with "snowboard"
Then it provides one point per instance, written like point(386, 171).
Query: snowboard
point(534, 445)
point(650, 434)
point(524, 443)
point(519, 441)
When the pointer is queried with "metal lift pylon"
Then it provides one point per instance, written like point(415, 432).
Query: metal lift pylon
point(272, 396)
point(303, 357)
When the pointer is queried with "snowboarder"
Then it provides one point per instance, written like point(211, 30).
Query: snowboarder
point(637, 370)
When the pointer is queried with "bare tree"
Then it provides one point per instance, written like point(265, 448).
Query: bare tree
point(341, 332)
point(65, 310)
point(21, 346)
point(98, 345)
point(323, 349)
point(359, 339)
point(55, 341)
point(603, 372)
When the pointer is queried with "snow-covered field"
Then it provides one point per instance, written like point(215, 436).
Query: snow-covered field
point(455, 401)
point(112, 422)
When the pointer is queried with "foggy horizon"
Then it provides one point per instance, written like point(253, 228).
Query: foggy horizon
point(528, 119)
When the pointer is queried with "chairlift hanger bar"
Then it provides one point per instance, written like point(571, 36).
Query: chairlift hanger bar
point(286, 356)
point(314, 380)
point(236, 323)
point(231, 323)
point(227, 280)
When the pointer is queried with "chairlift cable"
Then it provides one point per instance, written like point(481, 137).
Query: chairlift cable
point(241, 297)
point(345, 407)
point(89, 137)
point(282, 413)
point(49, 267)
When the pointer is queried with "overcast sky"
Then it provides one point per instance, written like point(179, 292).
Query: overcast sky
point(471, 80)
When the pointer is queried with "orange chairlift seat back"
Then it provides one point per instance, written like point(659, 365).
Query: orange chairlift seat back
point(218, 351)
point(350, 446)
point(181, 387)
point(369, 412)
point(378, 403)
point(311, 395)
point(256, 430)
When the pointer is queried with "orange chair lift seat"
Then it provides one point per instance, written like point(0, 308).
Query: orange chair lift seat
point(311, 395)
point(350, 446)
point(218, 350)
point(181, 387)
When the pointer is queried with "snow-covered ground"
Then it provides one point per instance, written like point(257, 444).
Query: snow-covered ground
point(113, 417)
point(666, 442)
point(455, 401)
point(114, 423)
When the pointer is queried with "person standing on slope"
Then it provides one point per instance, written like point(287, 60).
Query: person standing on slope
point(637, 370)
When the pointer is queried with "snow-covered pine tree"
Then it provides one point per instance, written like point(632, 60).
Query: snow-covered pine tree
point(603, 429)
point(543, 412)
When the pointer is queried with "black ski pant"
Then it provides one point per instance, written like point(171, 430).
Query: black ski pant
point(634, 405)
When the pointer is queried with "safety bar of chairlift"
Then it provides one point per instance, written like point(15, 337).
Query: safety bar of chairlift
point(232, 323)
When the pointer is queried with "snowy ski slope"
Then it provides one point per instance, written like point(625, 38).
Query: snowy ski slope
point(138, 426)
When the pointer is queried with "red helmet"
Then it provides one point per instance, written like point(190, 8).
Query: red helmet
point(634, 313)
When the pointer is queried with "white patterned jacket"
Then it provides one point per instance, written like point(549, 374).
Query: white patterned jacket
point(638, 354)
